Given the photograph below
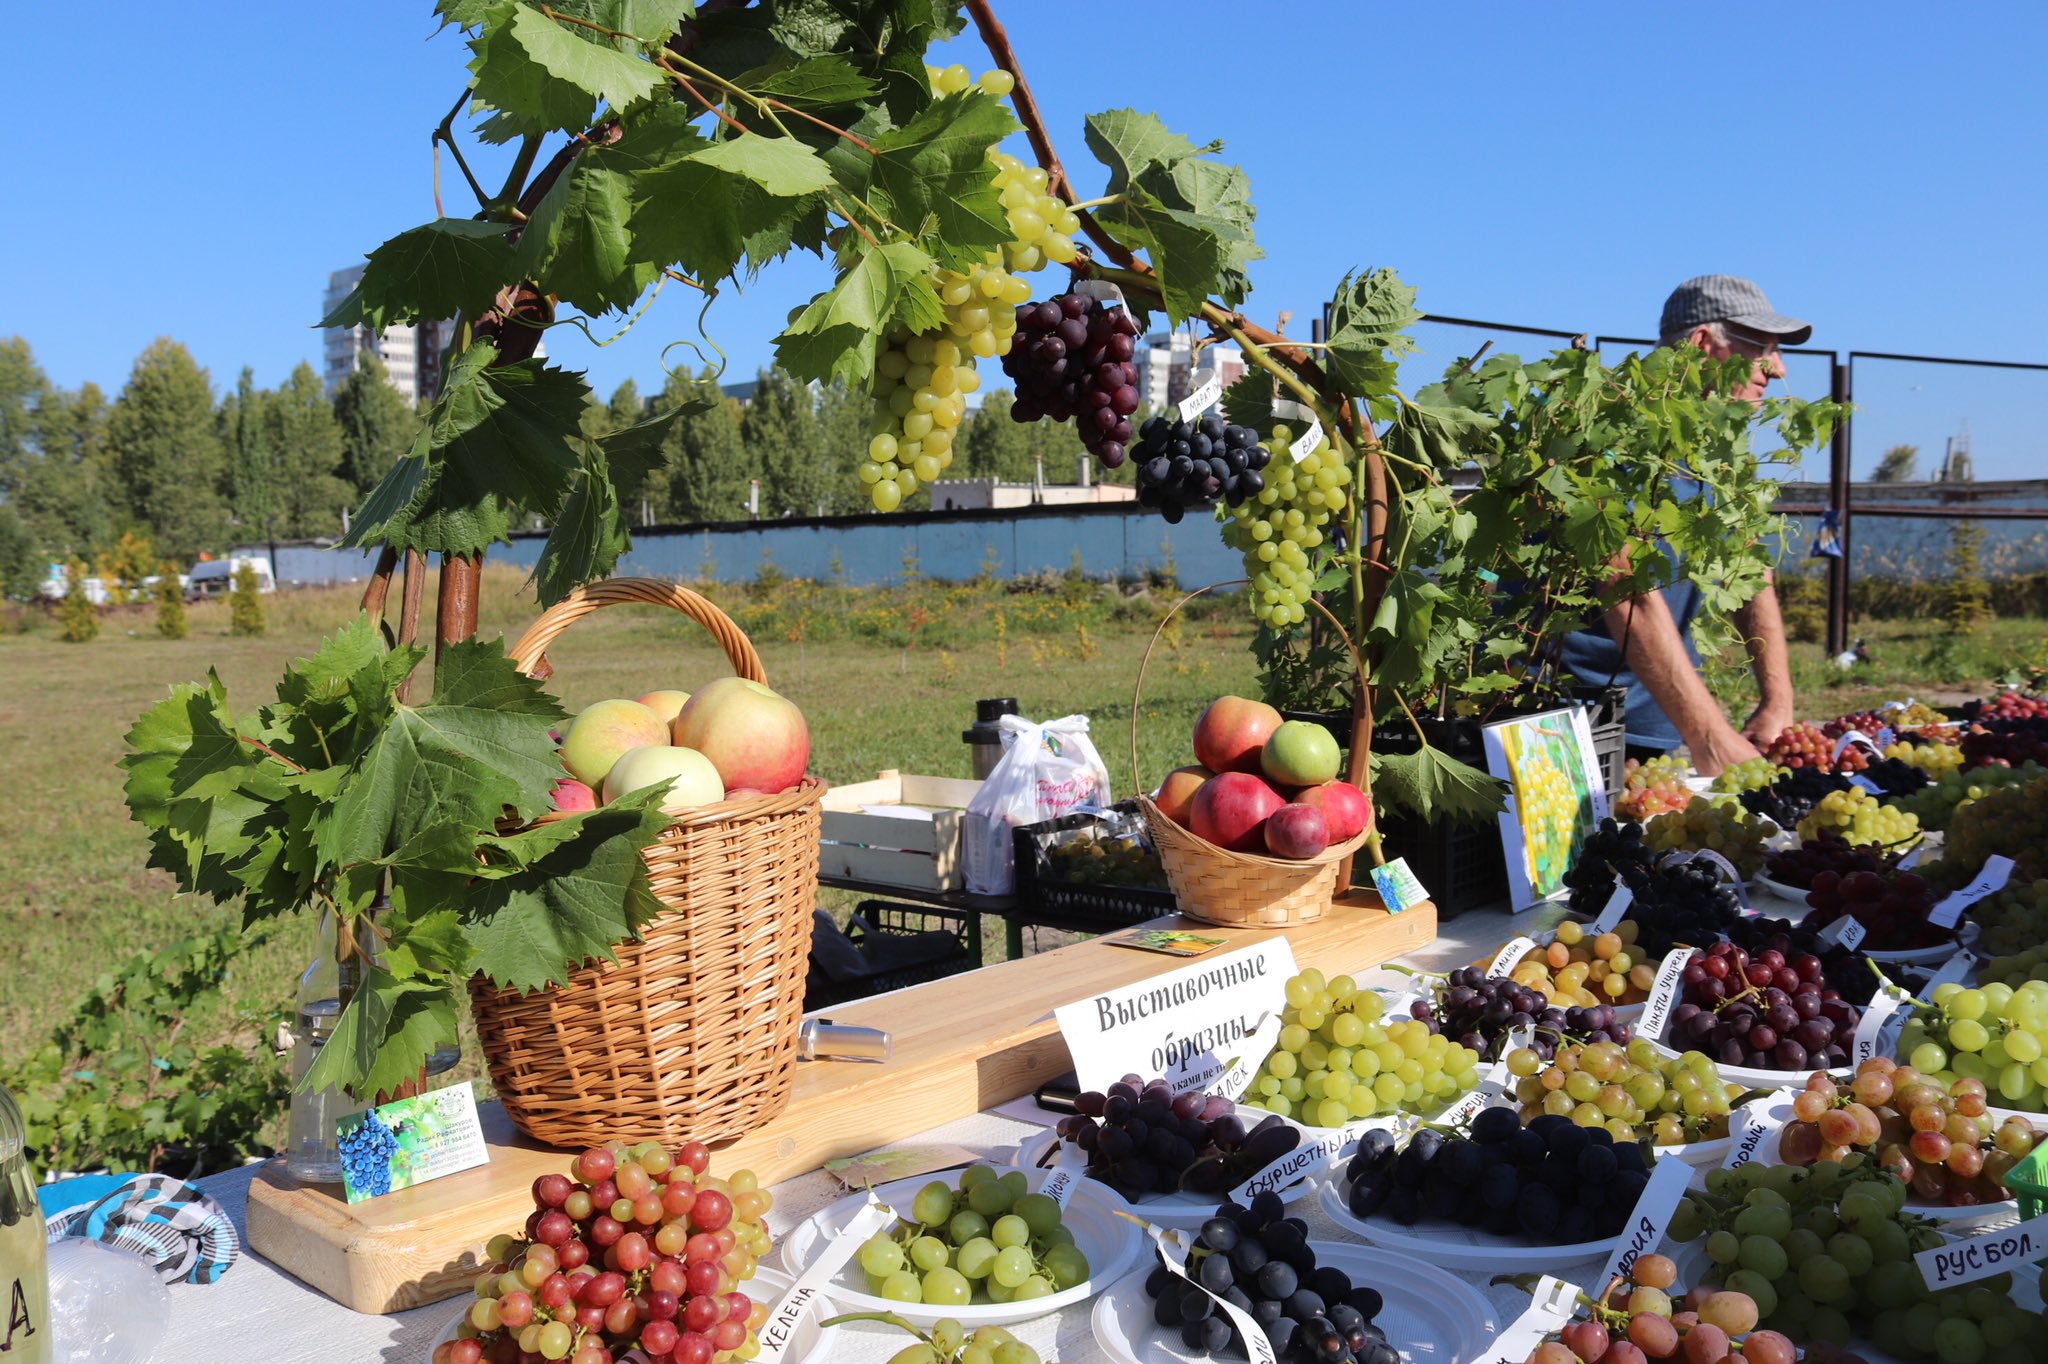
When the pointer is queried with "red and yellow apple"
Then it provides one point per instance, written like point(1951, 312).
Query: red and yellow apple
point(570, 795)
point(603, 733)
point(754, 736)
point(1231, 732)
point(1177, 792)
point(692, 780)
point(1300, 753)
point(1297, 831)
point(666, 704)
point(1231, 810)
point(1346, 809)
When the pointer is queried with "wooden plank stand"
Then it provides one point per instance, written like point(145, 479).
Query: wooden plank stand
point(960, 1045)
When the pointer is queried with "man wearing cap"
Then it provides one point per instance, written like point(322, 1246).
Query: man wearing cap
point(1668, 701)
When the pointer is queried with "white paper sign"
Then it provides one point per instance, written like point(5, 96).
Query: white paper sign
point(1613, 912)
point(1653, 1211)
point(1067, 1173)
point(1504, 960)
point(780, 1328)
point(1980, 1257)
point(1664, 992)
point(1296, 1164)
point(1553, 1304)
point(1912, 857)
point(1846, 931)
point(1854, 736)
point(1870, 1028)
point(1997, 868)
point(1466, 1108)
point(1951, 973)
point(1208, 388)
point(1754, 1125)
point(1205, 1026)
point(1173, 1249)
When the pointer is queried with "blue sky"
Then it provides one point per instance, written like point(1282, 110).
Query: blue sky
point(1879, 168)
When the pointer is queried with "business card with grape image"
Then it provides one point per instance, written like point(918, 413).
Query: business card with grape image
point(410, 1141)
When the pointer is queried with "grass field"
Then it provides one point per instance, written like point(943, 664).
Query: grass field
point(887, 679)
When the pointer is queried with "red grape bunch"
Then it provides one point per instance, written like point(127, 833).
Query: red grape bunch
point(1891, 905)
point(1804, 745)
point(1071, 360)
point(1765, 1012)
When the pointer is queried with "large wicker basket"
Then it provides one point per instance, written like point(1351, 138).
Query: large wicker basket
point(691, 1034)
point(1244, 890)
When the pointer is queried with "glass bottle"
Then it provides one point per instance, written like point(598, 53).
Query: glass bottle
point(313, 1152)
point(24, 1250)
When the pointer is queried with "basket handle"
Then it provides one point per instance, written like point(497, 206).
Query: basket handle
point(529, 655)
point(1360, 752)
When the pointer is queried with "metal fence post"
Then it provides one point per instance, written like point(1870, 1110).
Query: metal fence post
point(1840, 383)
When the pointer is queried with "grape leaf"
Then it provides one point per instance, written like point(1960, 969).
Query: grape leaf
point(699, 209)
point(1437, 431)
point(1249, 401)
point(1129, 143)
point(837, 333)
point(429, 944)
point(815, 83)
point(578, 245)
point(533, 929)
point(1368, 323)
point(388, 1029)
point(586, 539)
point(931, 177)
point(437, 270)
point(1192, 216)
point(536, 76)
point(1432, 786)
point(648, 20)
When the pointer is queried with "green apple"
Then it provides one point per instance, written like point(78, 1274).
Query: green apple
point(1300, 753)
point(691, 778)
point(604, 732)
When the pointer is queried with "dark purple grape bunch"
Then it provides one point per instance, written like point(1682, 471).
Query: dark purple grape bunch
point(1482, 1011)
point(1071, 361)
point(1142, 1139)
point(1188, 466)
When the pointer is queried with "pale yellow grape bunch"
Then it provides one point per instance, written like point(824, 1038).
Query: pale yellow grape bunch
point(1042, 225)
point(2015, 924)
point(1996, 1034)
point(1338, 1059)
point(1631, 1091)
point(951, 80)
point(1276, 528)
point(1937, 760)
point(1710, 825)
point(1860, 818)
point(1548, 811)
point(1577, 970)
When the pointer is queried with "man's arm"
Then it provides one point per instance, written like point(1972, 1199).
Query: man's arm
point(1763, 635)
point(1643, 629)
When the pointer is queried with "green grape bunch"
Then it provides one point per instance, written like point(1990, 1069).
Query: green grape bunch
point(1279, 528)
point(1860, 818)
point(1995, 1034)
point(1339, 1058)
point(988, 1239)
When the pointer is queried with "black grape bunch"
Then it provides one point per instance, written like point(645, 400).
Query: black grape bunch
point(366, 1155)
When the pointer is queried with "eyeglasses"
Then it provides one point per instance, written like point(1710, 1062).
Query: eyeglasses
point(1763, 347)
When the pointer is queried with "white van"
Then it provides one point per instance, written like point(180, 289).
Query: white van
point(216, 577)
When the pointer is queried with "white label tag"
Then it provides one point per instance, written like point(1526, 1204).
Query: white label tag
point(1870, 1028)
point(1844, 932)
point(1066, 1175)
point(1997, 868)
point(1951, 973)
point(1505, 960)
point(780, 1328)
point(1305, 444)
point(1173, 1249)
point(1752, 1126)
point(1664, 992)
point(1296, 1164)
point(1728, 871)
point(1101, 290)
point(1613, 913)
point(1912, 857)
point(1464, 1109)
point(1980, 1257)
point(1554, 1303)
point(1863, 783)
point(1208, 388)
point(1205, 1026)
point(1854, 736)
point(1646, 1224)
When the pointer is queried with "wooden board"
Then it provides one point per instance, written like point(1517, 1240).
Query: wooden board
point(918, 854)
point(961, 1045)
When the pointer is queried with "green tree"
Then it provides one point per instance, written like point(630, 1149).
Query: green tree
point(626, 406)
point(843, 415)
point(169, 466)
point(21, 560)
point(377, 424)
point(1968, 596)
point(781, 433)
point(77, 618)
point(61, 492)
point(993, 446)
point(245, 607)
point(306, 440)
point(254, 494)
point(170, 603)
point(1898, 465)
point(23, 386)
point(705, 461)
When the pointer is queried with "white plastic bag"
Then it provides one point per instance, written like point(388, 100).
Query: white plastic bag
point(1045, 771)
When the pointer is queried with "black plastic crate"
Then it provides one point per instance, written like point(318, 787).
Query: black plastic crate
point(1079, 907)
point(899, 945)
point(1461, 865)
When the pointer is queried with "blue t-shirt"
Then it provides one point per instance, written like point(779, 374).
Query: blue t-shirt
point(1593, 656)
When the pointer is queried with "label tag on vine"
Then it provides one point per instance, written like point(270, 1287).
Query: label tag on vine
point(1611, 915)
point(1102, 291)
point(1854, 736)
point(1863, 783)
point(1845, 932)
point(1505, 959)
point(1951, 973)
point(1553, 1304)
point(1464, 1109)
point(1751, 1126)
point(1664, 993)
point(1728, 870)
point(1997, 870)
point(1980, 1257)
point(1173, 1251)
point(780, 1328)
point(1870, 1028)
point(1066, 1174)
point(1296, 1164)
point(1305, 444)
point(1652, 1214)
point(1208, 388)
point(1912, 857)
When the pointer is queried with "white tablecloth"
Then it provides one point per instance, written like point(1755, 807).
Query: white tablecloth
point(258, 1314)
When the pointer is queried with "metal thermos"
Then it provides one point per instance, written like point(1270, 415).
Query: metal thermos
point(820, 1039)
point(986, 737)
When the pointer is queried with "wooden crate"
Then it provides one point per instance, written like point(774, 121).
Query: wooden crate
point(917, 854)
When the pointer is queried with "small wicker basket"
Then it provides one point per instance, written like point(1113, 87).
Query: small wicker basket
point(1245, 890)
point(692, 1033)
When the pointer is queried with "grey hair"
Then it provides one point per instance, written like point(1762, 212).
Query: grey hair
point(1714, 329)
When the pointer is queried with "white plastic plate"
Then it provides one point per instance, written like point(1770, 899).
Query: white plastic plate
point(1454, 1246)
point(1168, 1210)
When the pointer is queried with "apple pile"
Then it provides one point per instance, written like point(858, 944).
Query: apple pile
point(733, 738)
point(1262, 784)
